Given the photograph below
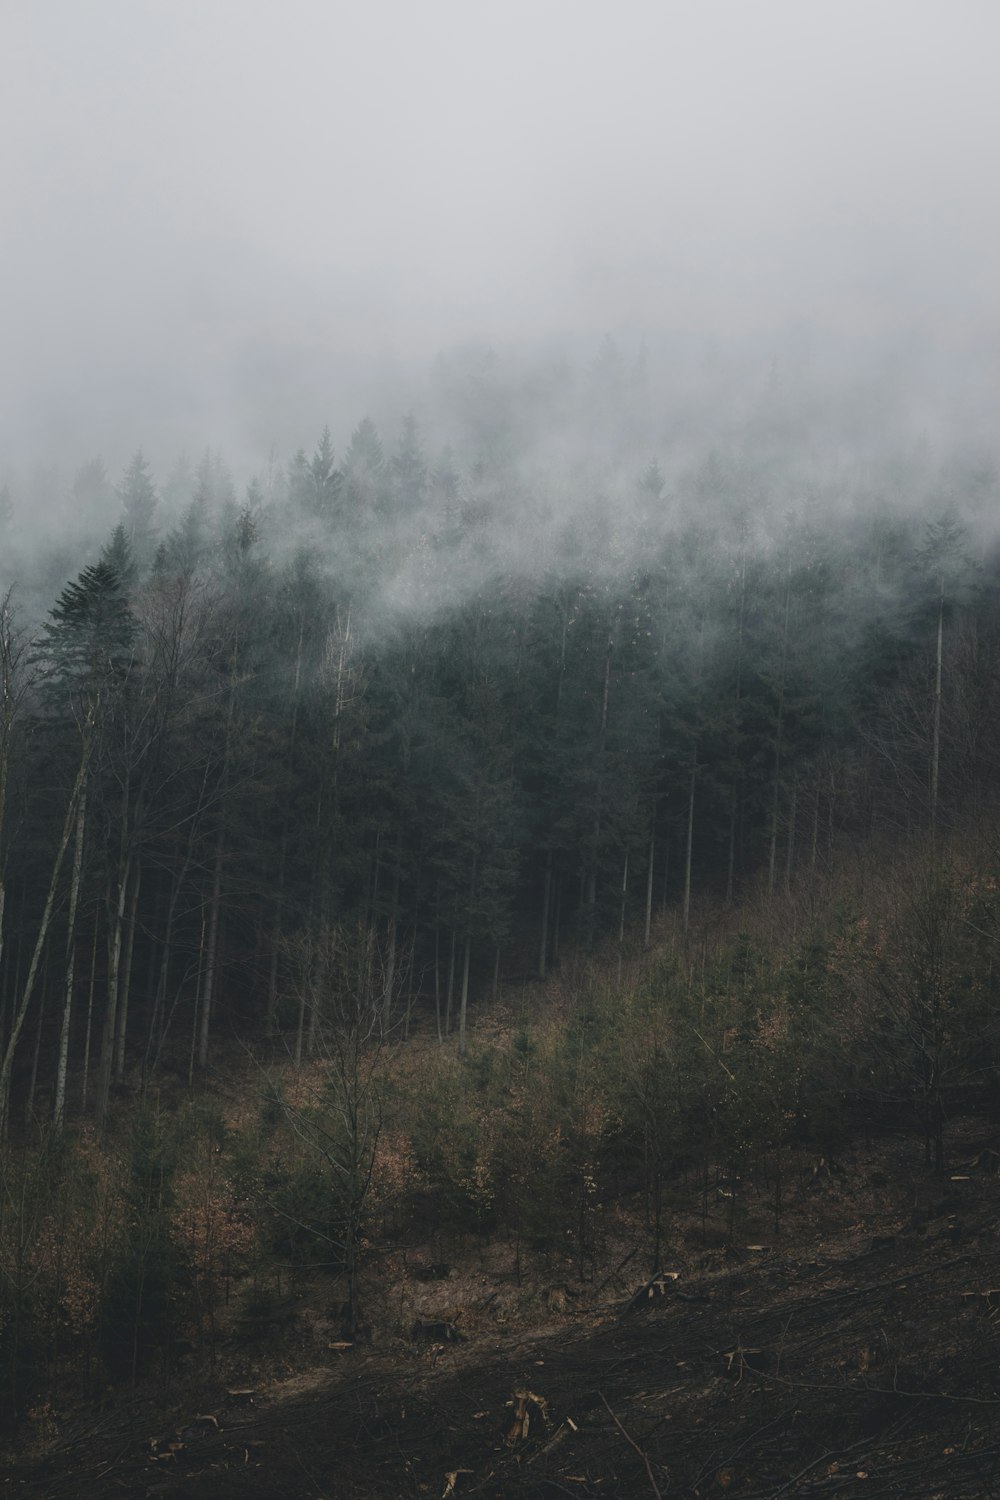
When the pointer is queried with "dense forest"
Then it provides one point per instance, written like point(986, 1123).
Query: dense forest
point(499, 814)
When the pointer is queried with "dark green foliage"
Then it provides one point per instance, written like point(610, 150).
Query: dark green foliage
point(88, 639)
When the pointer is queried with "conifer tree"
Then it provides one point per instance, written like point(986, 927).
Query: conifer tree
point(137, 494)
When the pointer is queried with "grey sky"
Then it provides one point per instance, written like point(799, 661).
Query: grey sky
point(195, 189)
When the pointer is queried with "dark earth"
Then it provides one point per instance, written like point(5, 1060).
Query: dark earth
point(863, 1362)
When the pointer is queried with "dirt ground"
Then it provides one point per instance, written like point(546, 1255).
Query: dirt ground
point(857, 1354)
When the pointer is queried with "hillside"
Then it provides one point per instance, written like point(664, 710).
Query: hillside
point(855, 1355)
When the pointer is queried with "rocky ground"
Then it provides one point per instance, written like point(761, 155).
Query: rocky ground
point(857, 1354)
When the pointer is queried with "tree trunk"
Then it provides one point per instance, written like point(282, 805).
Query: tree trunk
point(59, 1106)
point(451, 984)
point(271, 1012)
point(126, 983)
point(463, 1004)
point(776, 791)
point(29, 1108)
point(546, 901)
point(21, 1008)
point(90, 1015)
point(437, 979)
point(211, 954)
point(116, 925)
point(690, 843)
point(790, 852)
point(936, 730)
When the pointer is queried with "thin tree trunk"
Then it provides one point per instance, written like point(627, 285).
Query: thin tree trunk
point(621, 918)
point(735, 740)
point(116, 914)
point(790, 852)
point(451, 985)
point(936, 735)
point(160, 1017)
point(271, 1012)
point(21, 1008)
point(211, 954)
point(557, 923)
point(437, 979)
point(778, 746)
point(649, 885)
point(546, 900)
point(464, 1002)
point(690, 844)
point(390, 964)
point(90, 1013)
point(29, 1108)
point(59, 1106)
point(198, 1000)
point(126, 979)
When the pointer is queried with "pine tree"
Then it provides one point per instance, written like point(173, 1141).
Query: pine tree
point(138, 498)
point(88, 639)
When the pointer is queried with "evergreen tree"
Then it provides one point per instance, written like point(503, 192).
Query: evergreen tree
point(88, 638)
point(137, 494)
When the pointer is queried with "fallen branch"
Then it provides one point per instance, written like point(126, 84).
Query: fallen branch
point(634, 1445)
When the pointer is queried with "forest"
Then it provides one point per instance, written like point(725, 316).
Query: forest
point(465, 830)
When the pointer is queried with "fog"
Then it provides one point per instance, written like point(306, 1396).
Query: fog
point(227, 222)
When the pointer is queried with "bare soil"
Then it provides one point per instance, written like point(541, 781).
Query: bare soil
point(857, 1354)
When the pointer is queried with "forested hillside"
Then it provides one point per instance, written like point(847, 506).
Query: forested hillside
point(301, 776)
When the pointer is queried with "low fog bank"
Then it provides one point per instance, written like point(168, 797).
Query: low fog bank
point(530, 459)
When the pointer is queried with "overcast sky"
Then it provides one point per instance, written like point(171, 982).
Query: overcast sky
point(205, 199)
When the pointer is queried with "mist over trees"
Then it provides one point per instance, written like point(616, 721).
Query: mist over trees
point(530, 682)
point(551, 792)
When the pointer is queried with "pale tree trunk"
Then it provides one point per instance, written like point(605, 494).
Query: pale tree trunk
point(690, 843)
point(116, 927)
point(212, 950)
point(390, 963)
point(437, 979)
point(548, 950)
point(160, 1018)
point(126, 978)
point(546, 902)
point(778, 746)
point(271, 1013)
point(790, 852)
point(735, 738)
point(665, 886)
point(85, 1081)
point(649, 884)
point(59, 1106)
point(197, 1001)
point(450, 993)
point(11, 655)
point(211, 954)
point(621, 920)
point(22, 1004)
point(29, 1109)
point(557, 921)
point(936, 726)
point(591, 889)
point(464, 1002)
